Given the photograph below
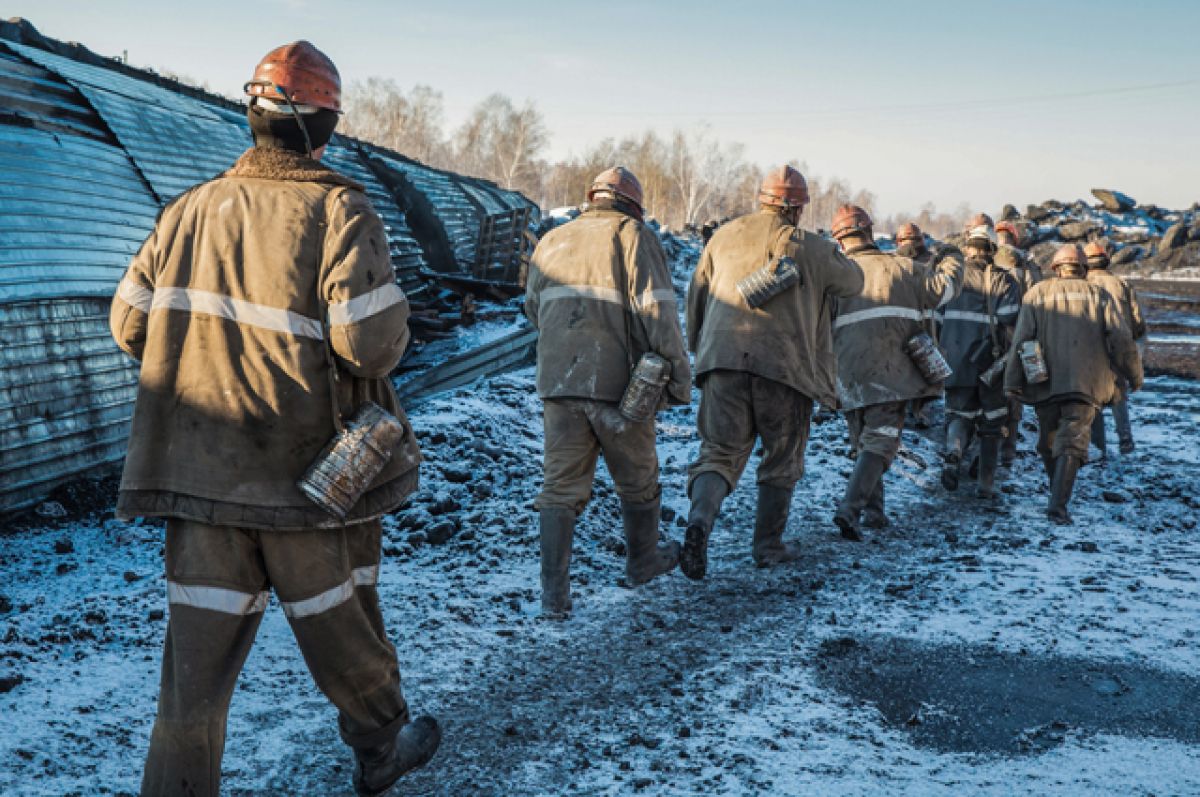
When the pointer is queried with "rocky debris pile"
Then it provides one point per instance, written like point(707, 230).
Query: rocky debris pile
point(1147, 240)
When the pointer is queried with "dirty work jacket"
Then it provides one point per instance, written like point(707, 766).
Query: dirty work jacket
point(221, 306)
point(988, 303)
point(788, 339)
point(600, 295)
point(869, 330)
point(1022, 268)
point(1084, 340)
point(1122, 293)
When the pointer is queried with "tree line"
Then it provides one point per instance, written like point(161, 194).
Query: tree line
point(689, 177)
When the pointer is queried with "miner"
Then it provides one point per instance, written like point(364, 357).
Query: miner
point(263, 307)
point(1120, 292)
point(1073, 341)
point(910, 243)
point(1026, 273)
point(600, 295)
point(758, 321)
point(976, 330)
point(876, 378)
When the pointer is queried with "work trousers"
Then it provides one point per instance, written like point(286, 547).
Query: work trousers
point(736, 408)
point(219, 580)
point(577, 431)
point(1064, 427)
point(1120, 413)
point(876, 428)
point(985, 407)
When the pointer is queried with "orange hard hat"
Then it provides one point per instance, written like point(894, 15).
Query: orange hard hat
point(302, 71)
point(619, 181)
point(850, 219)
point(1008, 227)
point(1095, 249)
point(783, 188)
point(1068, 255)
point(909, 232)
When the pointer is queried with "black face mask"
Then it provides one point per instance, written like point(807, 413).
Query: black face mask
point(275, 130)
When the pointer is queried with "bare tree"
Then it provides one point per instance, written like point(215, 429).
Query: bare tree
point(379, 111)
point(502, 142)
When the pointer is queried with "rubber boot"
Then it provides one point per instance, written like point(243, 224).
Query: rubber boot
point(557, 531)
point(644, 557)
point(867, 475)
point(989, 457)
point(1048, 466)
point(1065, 468)
point(770, 521)
point(1008, 448)
point(1120, 413)
point(378, 768)
point(957, 433)
point(708, 491)
point(1099, 435)
point(874, 516)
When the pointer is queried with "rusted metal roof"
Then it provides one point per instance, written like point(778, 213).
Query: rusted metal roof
point(89, 153)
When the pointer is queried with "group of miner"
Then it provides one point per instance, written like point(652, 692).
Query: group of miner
point(264, 309)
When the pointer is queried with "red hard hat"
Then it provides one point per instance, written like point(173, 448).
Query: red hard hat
point(1068, 254)
point(619, 181)
point(303, 71)
point(1008, 227)
point(1095, 249)
point(784, 188)
point(909, 232)
point(850, 219)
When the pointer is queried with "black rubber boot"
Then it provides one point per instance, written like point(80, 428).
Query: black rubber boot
point(1065, 468)
point(867, 475)
point(379, 768)
point(1048, 466)
point(708, 491)
point(957, 435)
point(557, 531)
point(770, 521)
point(989, 457)
point(645, 558)
point(874, 516)
point(1100, 434)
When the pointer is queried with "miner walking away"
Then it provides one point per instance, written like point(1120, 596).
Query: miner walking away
point(1026, 273)
point(250, 289)
point(876, 377)
point(1074, 346)
point(600, 294)
point(910, 243)
point(976, 331)
point(1121, 292)
point(758, 319)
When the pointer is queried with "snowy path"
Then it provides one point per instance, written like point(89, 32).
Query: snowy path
point(840, 675)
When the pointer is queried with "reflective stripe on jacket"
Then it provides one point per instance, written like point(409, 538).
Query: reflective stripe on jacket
point(223, 305)
point(870, 330)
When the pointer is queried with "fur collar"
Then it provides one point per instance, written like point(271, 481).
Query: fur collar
point(282, 164)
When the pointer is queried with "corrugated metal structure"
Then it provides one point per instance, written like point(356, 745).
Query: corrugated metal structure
point(90, 150)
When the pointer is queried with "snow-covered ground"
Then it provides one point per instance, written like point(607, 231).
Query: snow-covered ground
point(970, 649)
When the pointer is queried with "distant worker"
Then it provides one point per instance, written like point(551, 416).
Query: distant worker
point(876, 378)
point(758, 321)
point(976, 328)
point(910, 243)
point(600, 295)
point(1122, 293)
point(1026, 273)
point(261, 306)
point(1085, 347)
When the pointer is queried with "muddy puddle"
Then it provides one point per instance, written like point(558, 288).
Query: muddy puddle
point(967, 699)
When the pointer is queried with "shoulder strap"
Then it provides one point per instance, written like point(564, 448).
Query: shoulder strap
point(323, 312)
point(623, 284)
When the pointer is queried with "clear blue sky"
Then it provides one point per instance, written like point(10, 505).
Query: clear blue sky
point(943, 101)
